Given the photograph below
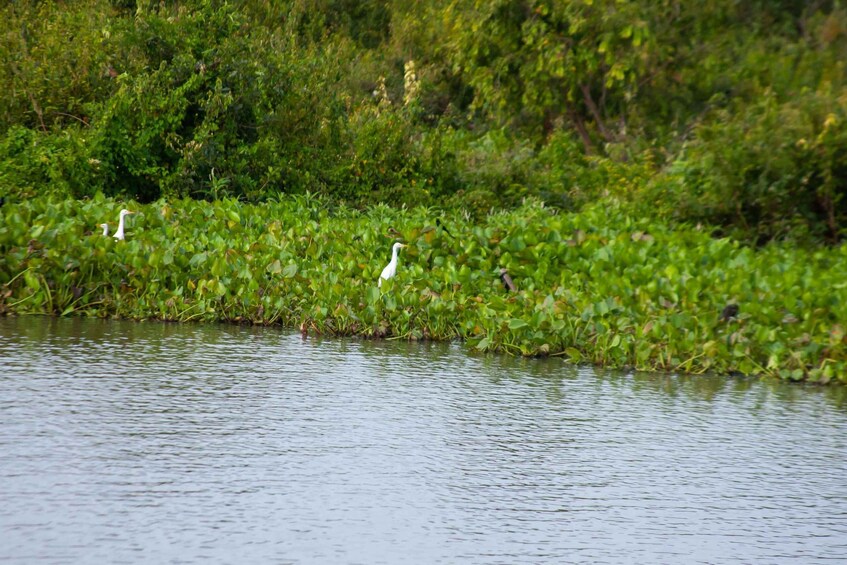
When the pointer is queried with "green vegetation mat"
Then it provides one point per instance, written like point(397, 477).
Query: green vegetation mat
point(597, 286)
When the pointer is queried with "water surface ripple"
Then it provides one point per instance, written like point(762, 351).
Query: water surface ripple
point(151, 443)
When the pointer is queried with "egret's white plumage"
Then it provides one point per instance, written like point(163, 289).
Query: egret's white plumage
point(391, 268)
point(120, 233)
point(105, 228)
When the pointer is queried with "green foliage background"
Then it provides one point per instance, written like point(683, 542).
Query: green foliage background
point(727, 113)
point(617, 156)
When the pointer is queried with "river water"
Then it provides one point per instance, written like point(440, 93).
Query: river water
point(127, 442)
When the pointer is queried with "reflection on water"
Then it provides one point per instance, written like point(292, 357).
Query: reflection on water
point(127, 442)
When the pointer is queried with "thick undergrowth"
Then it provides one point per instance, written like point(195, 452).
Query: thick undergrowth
point(596, 287)
point(726, 113)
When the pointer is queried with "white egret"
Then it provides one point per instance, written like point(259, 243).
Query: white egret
point(105, 228)
point(391, 268)
point(120, 233)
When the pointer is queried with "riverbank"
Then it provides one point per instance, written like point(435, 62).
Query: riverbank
point(595, 287)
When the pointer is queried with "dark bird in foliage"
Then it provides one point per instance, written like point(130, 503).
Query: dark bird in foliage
point(729, 312)
point(507, 280)
point(442, 226)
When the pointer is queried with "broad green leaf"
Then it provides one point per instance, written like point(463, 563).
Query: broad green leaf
point(275, 267)
point(290, 270)
point(574, 354)
point(517, 323)
point(373, 294)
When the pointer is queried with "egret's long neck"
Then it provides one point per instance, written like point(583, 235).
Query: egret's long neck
point(120, 233)
point(105, 229)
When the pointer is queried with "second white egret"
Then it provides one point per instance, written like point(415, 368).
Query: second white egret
point(120, 233)
point(105, 228)
point(391, 268)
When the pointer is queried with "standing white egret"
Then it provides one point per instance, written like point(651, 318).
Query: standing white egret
point(391, 268)
point(105, 228)
point(120, 233)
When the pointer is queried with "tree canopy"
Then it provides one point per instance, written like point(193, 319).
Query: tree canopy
point(723, 112)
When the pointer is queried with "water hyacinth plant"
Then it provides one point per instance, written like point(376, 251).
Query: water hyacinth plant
point(596, 287)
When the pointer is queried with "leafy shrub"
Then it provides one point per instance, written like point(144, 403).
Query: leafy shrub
point(56, 58)
point(769, 167)
point(34, 163)
point(498, 164)
point(209, 123)
point(574, 103)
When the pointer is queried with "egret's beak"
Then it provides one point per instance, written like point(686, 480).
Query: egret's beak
point(131, 212)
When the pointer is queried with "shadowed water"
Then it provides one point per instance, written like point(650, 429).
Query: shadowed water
point(137, 442)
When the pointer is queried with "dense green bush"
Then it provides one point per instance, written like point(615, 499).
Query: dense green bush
point(771, 168)
point(38, 164)
point(56, 59)
point(206, 118)
point(717, 112)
